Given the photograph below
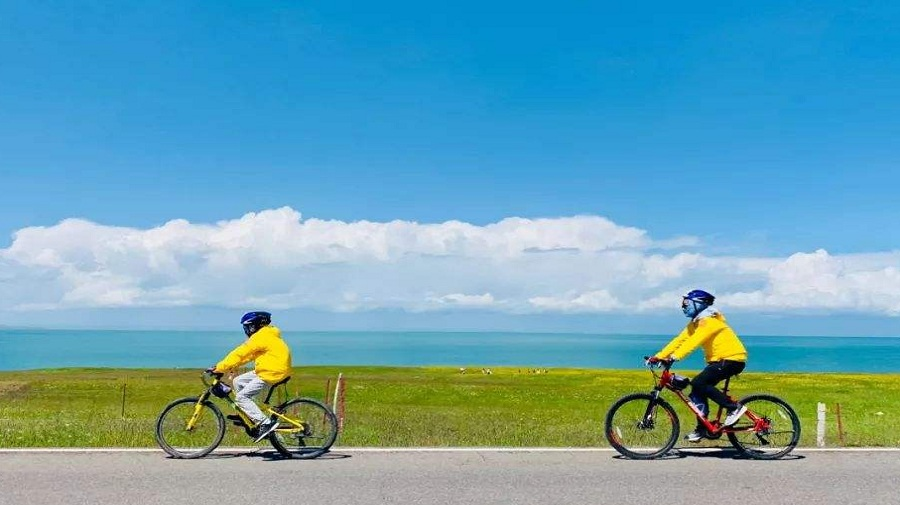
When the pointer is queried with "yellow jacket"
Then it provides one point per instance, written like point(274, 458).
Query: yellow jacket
point(273, 358)
point(712, 332)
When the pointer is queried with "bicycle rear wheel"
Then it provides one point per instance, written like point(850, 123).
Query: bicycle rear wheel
point(777, 439)
point(635, 428)
point(181, 441)
point(306, 429)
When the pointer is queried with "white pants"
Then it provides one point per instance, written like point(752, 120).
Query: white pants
point(246, 386)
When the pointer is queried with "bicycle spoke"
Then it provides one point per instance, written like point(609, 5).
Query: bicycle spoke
point(779, 434)
point(181, 438)
point(316, 432)
point(635, 434)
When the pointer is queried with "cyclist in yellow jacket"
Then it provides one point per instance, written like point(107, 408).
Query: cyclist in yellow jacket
point(273, 363)
point(725, 356)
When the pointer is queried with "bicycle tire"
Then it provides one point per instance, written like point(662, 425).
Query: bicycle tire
point(633, 407)
point(320, 425)
point(776, 407)
point(168, 439)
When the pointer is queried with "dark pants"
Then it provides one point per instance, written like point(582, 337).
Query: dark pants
point(703, 386)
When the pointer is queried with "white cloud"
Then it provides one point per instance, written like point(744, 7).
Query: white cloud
point(866, 283)
point(462, 300)
point(276, 259)
point(591, 301)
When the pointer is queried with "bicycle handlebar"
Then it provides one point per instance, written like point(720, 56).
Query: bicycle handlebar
point(210, 373)
point(665, 363)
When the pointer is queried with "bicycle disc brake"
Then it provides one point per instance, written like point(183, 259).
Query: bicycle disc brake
point(764, 430)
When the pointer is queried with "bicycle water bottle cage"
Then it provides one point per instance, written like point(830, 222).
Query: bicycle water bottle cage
point(680, 382)
point(221, 390)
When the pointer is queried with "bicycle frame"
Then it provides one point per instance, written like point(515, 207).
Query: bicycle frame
point(249, 423)
point(714, 428)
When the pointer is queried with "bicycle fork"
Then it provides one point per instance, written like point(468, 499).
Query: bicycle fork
point(198, 407)
point(646, 422)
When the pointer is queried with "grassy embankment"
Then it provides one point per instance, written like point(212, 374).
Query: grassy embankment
point(420, 406)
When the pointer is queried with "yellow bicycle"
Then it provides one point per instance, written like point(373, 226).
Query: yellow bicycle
point(193, 427)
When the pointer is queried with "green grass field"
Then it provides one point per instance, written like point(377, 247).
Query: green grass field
point(421, 406)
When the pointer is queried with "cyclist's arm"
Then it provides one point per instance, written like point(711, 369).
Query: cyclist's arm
point(242, 354)
point(674, 344)
point(706, 329)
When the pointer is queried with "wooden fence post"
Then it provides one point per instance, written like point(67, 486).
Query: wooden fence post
point(340, 402)
point(124, 387)
point(840, 424)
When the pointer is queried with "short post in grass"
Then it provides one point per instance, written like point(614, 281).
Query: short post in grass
point(124, 387)
point(337, 389)
point(840, 424)
point(340, 402)
point(820, 425)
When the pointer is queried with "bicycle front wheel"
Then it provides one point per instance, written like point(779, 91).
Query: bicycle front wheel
point(189, 429)
point(777, 439)
point(306, 429)
point(637, 429)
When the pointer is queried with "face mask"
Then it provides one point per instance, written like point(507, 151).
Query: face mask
point(692, 307)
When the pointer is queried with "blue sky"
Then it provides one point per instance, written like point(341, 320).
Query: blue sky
point(760, 131)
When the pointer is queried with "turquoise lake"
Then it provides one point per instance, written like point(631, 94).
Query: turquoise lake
point(33, 349)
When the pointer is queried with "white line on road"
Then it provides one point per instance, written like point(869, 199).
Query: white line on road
point(419, 449)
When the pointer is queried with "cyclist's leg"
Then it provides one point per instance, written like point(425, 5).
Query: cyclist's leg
point(247, 386)
point(700, 388)
point(242, 380)
point(704, 385)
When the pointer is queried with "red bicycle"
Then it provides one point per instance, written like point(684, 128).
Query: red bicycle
point(770, 429)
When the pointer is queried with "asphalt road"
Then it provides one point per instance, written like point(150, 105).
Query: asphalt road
point(442, 478)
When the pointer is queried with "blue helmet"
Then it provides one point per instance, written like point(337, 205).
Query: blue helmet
point(253, 321)
point(695, 302)
point(698, 295)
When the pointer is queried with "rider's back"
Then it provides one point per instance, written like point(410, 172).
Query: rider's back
point(712, 332)
point(268, 349)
